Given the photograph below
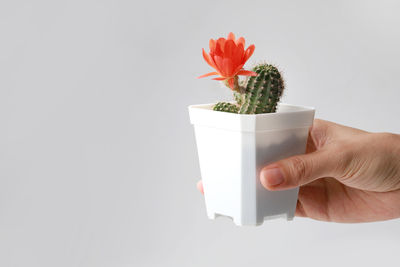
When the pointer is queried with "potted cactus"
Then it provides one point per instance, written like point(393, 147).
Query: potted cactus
point(236, 139)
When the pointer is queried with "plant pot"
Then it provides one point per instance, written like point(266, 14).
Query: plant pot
point(232, 149)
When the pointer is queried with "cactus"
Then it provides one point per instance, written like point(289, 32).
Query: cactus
point(238, 98)
point(263, 92)
point(226, 107)
point(259, 93)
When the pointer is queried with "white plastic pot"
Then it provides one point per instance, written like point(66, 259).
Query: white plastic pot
point(233, 148)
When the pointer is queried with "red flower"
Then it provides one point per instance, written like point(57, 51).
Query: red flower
point(227, 57)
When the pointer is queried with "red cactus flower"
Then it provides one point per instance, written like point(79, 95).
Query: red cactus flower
point(227, 57)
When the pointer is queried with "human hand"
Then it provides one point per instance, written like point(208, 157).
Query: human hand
point(346, 175)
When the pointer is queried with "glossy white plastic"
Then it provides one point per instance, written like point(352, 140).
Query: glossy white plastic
point(233, 148)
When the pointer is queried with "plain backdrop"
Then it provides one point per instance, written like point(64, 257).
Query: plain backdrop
point(98, 162)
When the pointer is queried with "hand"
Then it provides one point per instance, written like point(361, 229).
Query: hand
point(347, 175)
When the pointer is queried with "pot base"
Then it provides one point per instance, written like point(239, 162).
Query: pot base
point(240, 222)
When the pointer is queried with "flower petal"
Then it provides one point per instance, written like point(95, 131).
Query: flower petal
point(219, 78)
point(238, 55)
point(248, 53)
point(209, 60)
point(230, 49)
point(240, 41)
point(231, 36)
point(218, 63)
point(238, 68)
point(219, 50)
point(212, 45)
point(208, 74)
point(227, 67)
point(246, 73)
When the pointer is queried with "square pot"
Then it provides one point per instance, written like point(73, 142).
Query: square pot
point(233, 148)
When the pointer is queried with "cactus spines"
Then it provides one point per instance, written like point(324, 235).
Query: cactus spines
point(262, 92)
point(238, 98)
point(226, 107)
point(257, 94)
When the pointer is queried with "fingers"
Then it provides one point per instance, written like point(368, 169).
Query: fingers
point(299, 170)
point(320, 133)
point(200, 187)
point(321, 160)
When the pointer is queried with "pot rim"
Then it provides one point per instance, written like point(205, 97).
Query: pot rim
point(300, 108)
point(288, 116)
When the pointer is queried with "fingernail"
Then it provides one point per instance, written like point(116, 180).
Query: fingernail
point(272, 177)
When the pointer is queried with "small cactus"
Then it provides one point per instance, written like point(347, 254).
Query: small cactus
point(239, 98)
point(263, 87)
point(263, 92)
point(226, 107)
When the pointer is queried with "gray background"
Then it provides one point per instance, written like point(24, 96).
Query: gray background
point(98, 162)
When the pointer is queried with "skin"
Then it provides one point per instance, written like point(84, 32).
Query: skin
point(347, 175)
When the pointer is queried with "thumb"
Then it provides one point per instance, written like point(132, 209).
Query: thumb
point(299, 170)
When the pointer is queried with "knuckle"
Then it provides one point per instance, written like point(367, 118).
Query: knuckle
point(299, 168)
point(344, 155)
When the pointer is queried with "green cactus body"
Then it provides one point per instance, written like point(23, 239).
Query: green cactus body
point(226, 107)
point(262, 92)
point(238, 98)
